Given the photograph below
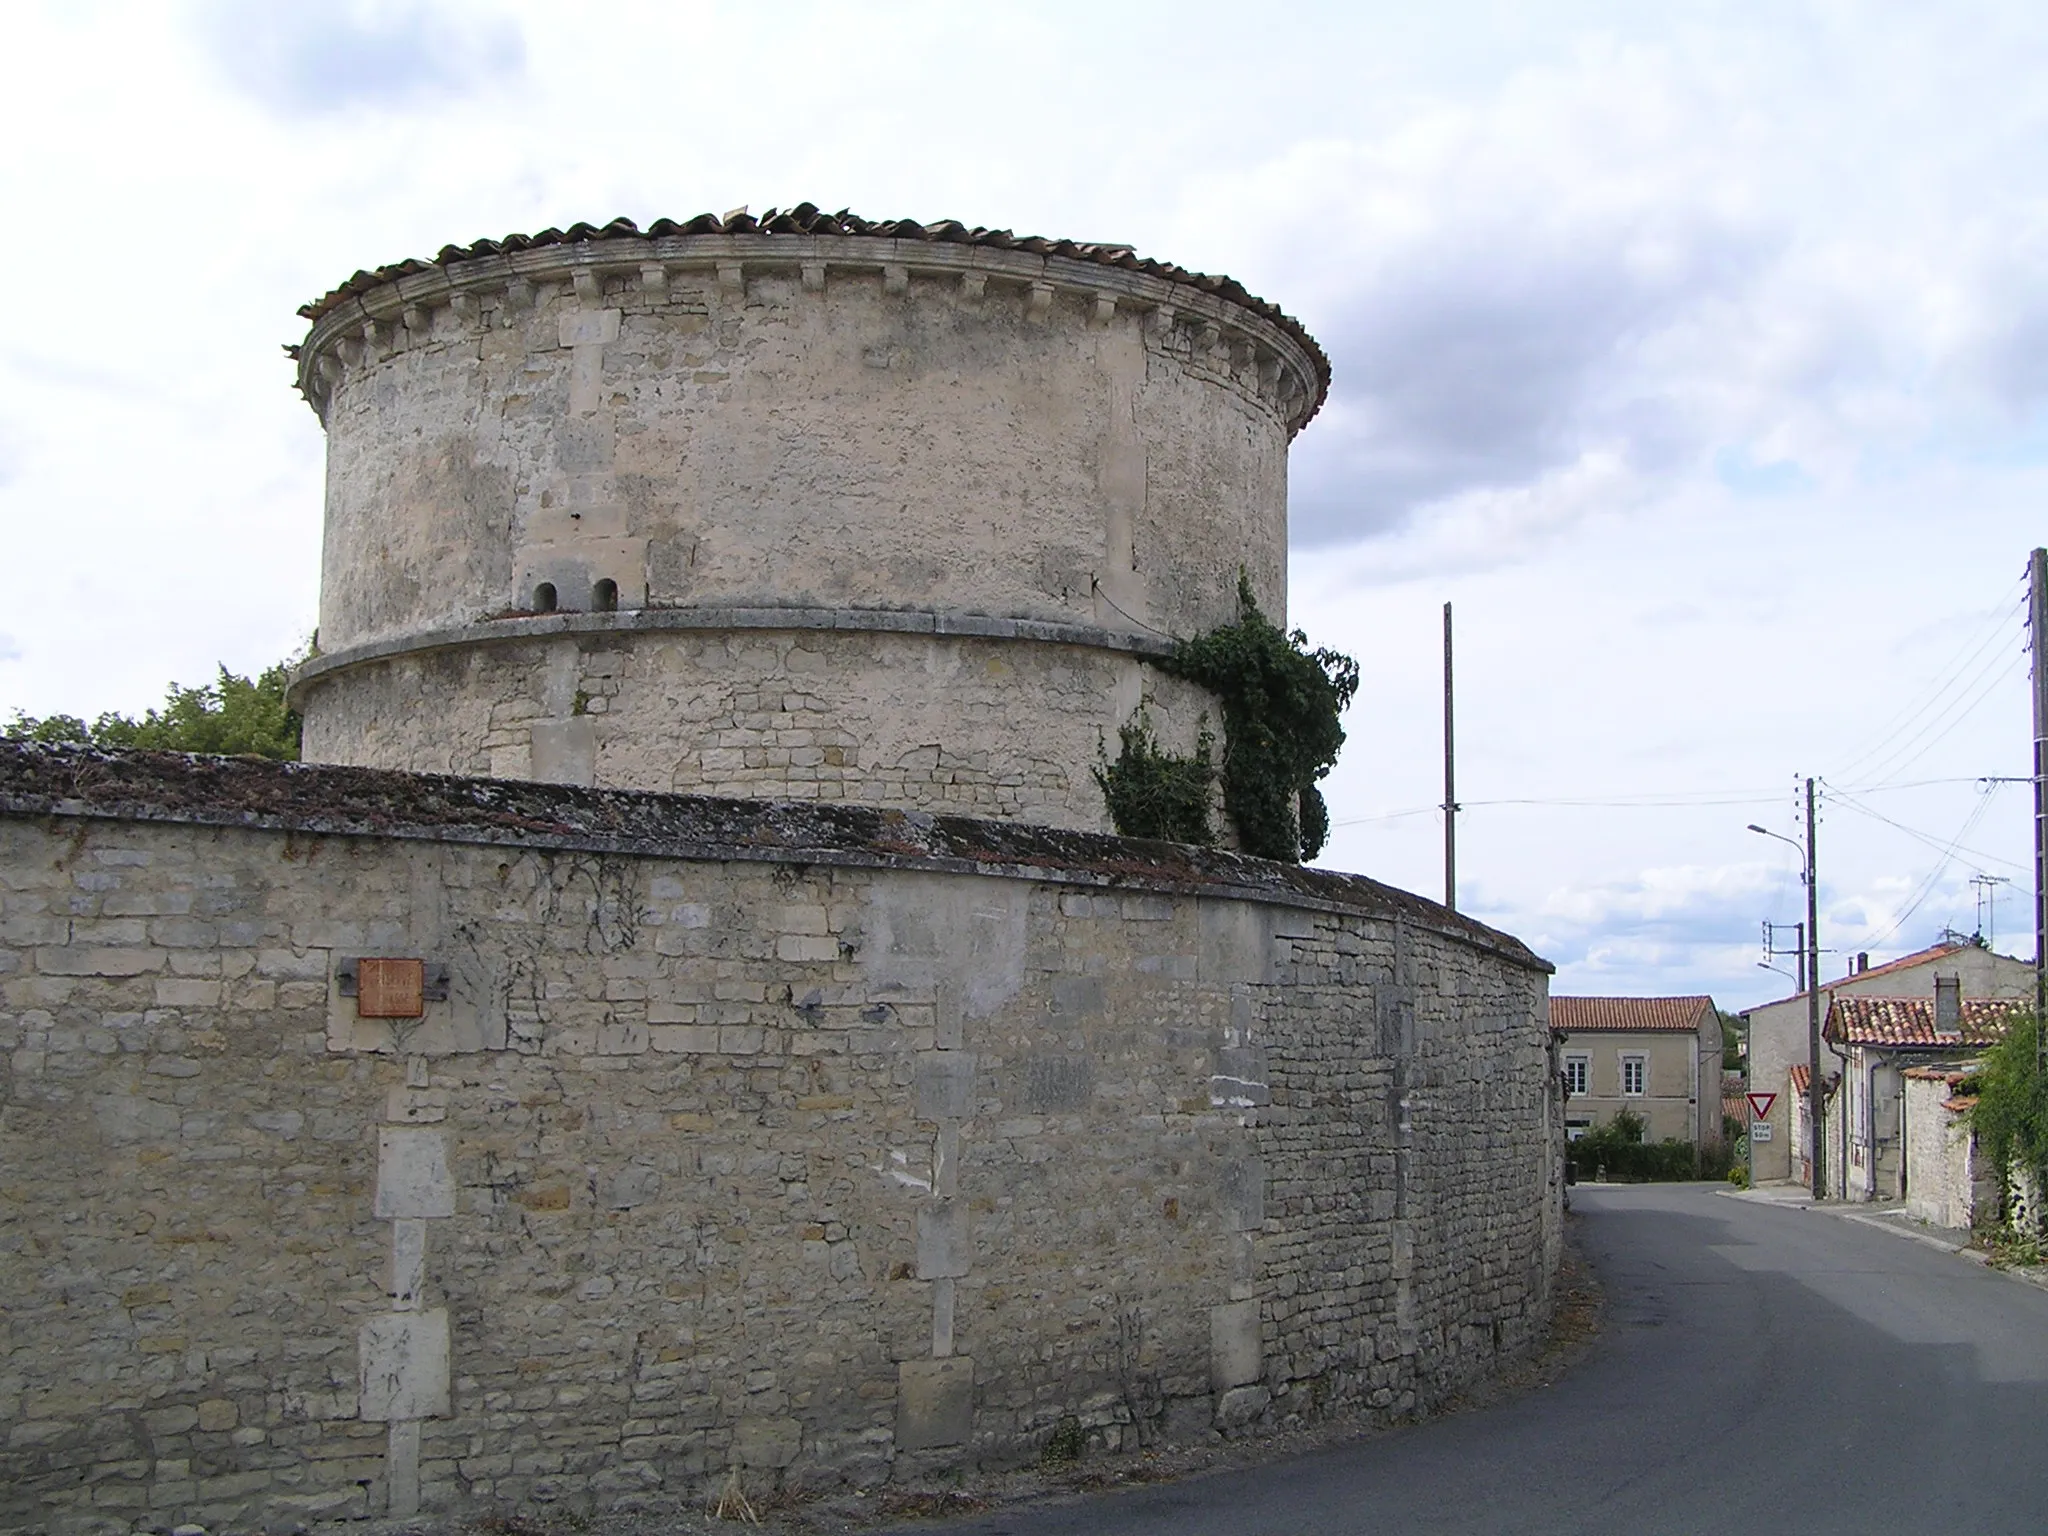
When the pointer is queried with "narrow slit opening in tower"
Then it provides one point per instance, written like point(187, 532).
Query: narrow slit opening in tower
point(544, 597)
point(604, 597)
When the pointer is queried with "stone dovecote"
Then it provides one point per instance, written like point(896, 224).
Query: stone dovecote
point(811, 509)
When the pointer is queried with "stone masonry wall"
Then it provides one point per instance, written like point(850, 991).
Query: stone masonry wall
point(829, 1163)
point(904, 720)
point(1102, 451)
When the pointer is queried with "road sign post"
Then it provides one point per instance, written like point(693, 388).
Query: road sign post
point(1759, 1126)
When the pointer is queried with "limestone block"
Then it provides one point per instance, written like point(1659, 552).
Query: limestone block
point(764, 1442)
point(1235, 945)
point(1241, 1079)
point(412, 1173)
point(621, 1037)
point(128, 1117)
point(1240, 1406)
point(934, 1403)
point(1235, 1358)
point(945, 1085)
point(402, 1365)
point(589, 327)
point(1057, 1083)
point(1244, 1193)
point(1079, 997)
point(675, 1039)
point(408, 1263)
point(945, 1248)
point(564, 751)
point(632, 1185)
point(85, 960)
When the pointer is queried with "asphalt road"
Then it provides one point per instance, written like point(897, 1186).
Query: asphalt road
point(1762, 1369)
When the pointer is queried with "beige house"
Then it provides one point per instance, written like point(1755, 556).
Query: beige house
point(1881, 1038)
point(1777, 1033)
point(1659, 1057)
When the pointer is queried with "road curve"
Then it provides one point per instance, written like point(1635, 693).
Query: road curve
point(1762, 1369)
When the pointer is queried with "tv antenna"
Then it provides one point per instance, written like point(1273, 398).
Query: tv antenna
point(1987, 906)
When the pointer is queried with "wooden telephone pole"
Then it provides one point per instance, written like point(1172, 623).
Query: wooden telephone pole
point(1816, 1096)
point(1450, 780)
point(2037, 639)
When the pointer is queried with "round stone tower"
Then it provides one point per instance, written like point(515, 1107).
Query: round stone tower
point(799, 506)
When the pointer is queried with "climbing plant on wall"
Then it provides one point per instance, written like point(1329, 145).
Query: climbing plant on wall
point(1283, 707)
point(1154, 793)
point(2010, 1117)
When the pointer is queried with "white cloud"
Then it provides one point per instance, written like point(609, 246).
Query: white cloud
point(356, 53)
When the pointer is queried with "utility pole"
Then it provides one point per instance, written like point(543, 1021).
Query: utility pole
point(1450, 780)
point(2037, 639)
point(1772, 952)
point(1815, 1097)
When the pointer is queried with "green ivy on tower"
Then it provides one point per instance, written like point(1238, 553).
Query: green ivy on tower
point(1283, 707)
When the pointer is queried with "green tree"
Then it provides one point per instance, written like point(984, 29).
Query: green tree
point(230, 715)
point(1734, 1041)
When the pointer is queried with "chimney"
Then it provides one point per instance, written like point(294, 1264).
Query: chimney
point(1862, 961)
point(1948, 1007)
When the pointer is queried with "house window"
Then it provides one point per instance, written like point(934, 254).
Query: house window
point(1633, 1071)
point(1575, 1074)
point(1574, 1129)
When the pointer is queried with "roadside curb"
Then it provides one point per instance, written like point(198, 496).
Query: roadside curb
point(1903, 1230)
point(2036, 1275)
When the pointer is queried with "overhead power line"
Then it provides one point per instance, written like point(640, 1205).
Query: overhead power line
point(2010, 603)
point(1948, 848)
point(1937, 728)
point(1926, 886)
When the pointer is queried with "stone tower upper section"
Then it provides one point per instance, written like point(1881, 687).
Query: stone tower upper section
point(803, 424)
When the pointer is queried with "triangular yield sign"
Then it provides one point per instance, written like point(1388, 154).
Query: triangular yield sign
point(1760, 1104)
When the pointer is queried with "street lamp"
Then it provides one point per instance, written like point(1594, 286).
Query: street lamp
point(1813, 1084)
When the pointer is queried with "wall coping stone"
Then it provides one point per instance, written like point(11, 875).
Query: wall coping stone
point(515, 627)
point(329, 800)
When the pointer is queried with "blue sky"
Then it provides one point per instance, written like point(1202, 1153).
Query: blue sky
point(1698, 353)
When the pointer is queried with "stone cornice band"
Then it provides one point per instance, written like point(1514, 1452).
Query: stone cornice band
point(891, 621)
point(1293, 381)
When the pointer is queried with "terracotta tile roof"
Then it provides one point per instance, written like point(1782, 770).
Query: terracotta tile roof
point(1955, 1103)
point(1632, 1015)
point(1909, 1021)
point(808, 219)
point(1904, 962)
point(1800, 1078)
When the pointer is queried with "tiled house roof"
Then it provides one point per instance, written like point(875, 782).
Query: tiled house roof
point(1909, 1021)
point(1955, 1103)
point(1903, 963)
point(1801, 1077)
point(1628, 1015)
